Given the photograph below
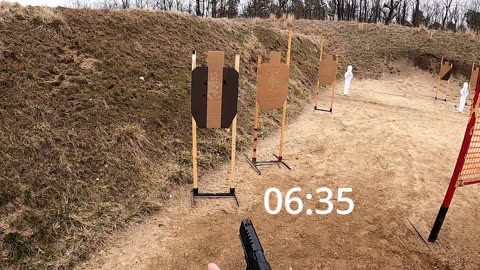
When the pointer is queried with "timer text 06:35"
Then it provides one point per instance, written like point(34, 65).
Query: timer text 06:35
point(294, 204)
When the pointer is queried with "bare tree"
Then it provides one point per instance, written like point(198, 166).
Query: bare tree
point(390, 14)
point(416, 14)
point(448, 4)
point(446, 14)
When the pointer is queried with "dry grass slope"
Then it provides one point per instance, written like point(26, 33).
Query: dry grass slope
point(86, 146)
point(40, 17)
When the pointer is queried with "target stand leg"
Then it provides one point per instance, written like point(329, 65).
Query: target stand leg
point(280, 160)
point(255, 164)
point(213, 195)
point(445, 99)
point(323, 110)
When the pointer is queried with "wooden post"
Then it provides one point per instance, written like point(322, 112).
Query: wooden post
point(471, 72)
point(474, 104)
point(361, 27)
point(282, 134)
point(233, 171)
point(317, 97)
point(448, 88)
point(257, 112)
point(321, 50)
point(284, 112)
point(289, 47)
point(194, 135)
point(438, 83)
point(437, 86)
point(333, 89)
point(448, 91)
point(318, 93)
point(473, 67)
point(470, 86)
point(333, 95)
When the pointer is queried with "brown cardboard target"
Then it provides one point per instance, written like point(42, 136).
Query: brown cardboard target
point(327, 73)
point(272, 83)
point(474, 77)
point(445, 71)
point(214, 96)
point(215, 62)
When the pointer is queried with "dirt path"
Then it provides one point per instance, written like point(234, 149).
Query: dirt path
point(389, 141)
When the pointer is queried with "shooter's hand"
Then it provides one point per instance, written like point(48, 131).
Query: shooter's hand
point(212, 266)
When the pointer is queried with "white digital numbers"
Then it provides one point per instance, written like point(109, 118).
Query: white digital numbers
point(294, 203)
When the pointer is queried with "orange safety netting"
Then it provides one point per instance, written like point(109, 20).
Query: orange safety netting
point(470, 173)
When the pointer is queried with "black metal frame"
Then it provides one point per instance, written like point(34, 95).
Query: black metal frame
point(231, 194)
point(323, 110)
point(255, 164)
point(442, 99)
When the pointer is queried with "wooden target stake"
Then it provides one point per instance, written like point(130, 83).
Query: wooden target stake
point(279, 159)
point(194, 135)
point(444, 72)
point(327, 74)
point(449, 90)
point(195, 190)
point(233, 171)
point(257, 112)
point(317, 96)
point(334, 86)
point(473, 81)
point(437, 87)
point(284, 112)
point(360, 27)
point(438, 83)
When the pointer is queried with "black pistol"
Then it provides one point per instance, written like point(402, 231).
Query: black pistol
point(252, 248)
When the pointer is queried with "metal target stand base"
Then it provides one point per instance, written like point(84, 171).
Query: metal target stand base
point(231, 194)
point(255, 164)
point(441, 99)
point(323, 110)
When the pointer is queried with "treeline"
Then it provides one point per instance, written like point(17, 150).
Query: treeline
point(435, 14)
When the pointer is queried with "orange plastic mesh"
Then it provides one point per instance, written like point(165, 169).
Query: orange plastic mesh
point(471, 168)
